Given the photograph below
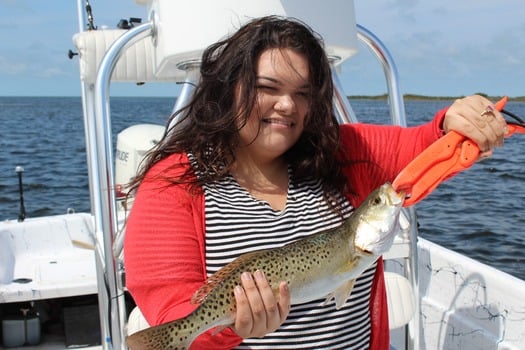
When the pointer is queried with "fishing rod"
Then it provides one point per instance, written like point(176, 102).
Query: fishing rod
point(514, 116)
point(22, 215)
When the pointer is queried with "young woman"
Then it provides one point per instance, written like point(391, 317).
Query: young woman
point(258, 160)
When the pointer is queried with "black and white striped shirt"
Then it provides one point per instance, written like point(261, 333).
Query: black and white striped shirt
point(237, 223)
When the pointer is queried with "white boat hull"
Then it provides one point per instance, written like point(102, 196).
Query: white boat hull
point(465, 304)
point(47, 257)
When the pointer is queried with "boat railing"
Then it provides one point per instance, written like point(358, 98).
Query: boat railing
point(97, 112)
point(398, 117)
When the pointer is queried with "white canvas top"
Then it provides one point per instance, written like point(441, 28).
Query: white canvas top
point(185, 28)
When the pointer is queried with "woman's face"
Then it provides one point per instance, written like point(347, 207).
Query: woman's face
point(283, 97)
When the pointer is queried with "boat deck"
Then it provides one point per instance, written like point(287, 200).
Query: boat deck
point(48, 257)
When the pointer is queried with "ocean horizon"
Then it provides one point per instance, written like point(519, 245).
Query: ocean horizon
point(478, 213)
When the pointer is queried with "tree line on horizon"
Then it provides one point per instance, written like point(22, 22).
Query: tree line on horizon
point(425, 97)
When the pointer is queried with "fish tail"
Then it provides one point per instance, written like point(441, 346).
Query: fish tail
point(173, 335)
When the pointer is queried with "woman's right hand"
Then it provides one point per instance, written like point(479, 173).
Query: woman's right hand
point(259, 311)
point(476, 118)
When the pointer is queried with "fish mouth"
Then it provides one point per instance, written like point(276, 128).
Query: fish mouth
point(395, 198)
point(365, 251)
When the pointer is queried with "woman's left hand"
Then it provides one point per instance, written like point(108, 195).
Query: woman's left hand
point(259, 310)
point(476, 118)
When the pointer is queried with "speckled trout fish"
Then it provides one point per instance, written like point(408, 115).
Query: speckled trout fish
point(325, 264)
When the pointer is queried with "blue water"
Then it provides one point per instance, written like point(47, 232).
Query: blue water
point(479, 213)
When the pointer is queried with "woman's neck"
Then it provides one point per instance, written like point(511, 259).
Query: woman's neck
point(267, 181)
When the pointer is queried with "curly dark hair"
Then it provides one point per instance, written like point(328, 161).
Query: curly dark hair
point(208, 126)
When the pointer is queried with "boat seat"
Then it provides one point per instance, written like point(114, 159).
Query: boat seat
point(135, 64)
point(136, 321)
point(400, 299)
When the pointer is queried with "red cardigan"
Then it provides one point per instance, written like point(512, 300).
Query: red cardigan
point(165, 232)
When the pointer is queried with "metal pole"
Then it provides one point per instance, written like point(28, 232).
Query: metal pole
point(105, 212)
point(342, 108)
point(395, 97)
point(397, 114)
point(81, 15)
point(192, 71)
point(91, 161)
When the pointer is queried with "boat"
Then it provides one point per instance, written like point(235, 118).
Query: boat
point(72, 263)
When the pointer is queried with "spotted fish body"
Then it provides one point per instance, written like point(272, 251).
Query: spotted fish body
point(325, 264)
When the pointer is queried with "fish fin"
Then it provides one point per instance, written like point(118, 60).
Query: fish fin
point(219, 329)
point(218, 277)
point(341, 294)
point(161, 337)
point(175, 335)
point(200, 295)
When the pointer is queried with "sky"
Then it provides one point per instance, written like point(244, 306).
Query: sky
point(441, 48)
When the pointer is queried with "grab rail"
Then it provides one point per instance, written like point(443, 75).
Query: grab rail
point(395, 97)
point(105, 210)
point(397, 115)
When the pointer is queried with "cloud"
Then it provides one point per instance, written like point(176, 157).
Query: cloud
point(36, 62)
point(450, 45)
point(51, 72)
point(11, 66)
point(15, 5)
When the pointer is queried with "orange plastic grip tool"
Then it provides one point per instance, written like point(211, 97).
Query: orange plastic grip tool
point(444, 158)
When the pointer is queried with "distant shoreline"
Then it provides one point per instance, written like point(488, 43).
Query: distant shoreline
point(413, 97)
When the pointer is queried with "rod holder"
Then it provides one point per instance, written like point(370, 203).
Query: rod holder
point(22, 215)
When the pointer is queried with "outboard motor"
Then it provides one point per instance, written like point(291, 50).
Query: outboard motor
point(132, 145)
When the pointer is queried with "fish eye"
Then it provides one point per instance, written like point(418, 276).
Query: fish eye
point(377, 200)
